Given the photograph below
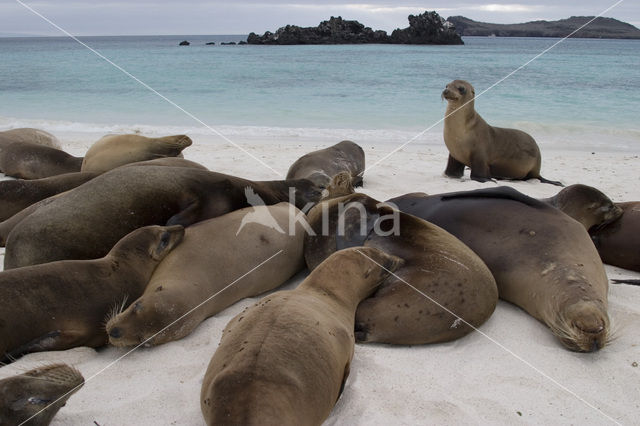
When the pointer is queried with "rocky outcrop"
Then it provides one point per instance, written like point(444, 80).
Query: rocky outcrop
point(428, 28)
point(184, 43)
point(598, 28)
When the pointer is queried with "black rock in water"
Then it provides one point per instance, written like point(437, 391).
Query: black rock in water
point(184, 43)
point(428, 28)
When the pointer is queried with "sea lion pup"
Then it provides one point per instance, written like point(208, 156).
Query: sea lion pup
point(586, 204)
point(490, 152)
point(32, 161)
point(618, 242)
point(112, 151)
point(28, 135)
point(18, 194)
point(37, 394)
point(285, 360)
point(212, 255)
point(86, 222)
point(542, 259)
point(61, 305)
point(441, 281)
point(320, 166)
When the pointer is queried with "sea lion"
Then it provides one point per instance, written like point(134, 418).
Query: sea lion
point(542, 259)
point(77, 294)
point(112, 151)
point(37, 395)
point(618, 243)
point(28, 135)
point(441, 292)
point(285, 360)
point(586, 204)
point(320, 166)
point(212, 255)
point(490, 152)
point(86, 222)
point(18, 194)
point(32, 161)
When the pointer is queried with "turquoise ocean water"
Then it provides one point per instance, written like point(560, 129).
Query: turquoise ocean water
point(581, 92)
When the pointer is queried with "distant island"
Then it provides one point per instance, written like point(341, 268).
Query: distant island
point(599, 28)
point(427, 28)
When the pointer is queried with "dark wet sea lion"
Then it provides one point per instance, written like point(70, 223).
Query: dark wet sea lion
point(490, 152)
point(37, 395)
point(32, 161)
point(586, 204)
point(61, 305)
point(441, 280)
point(542, 259)
point(285, 360)
point(18, 194)
point(86, 222)
point(28, 135)
point(320, 166)
point(212, 255)
point(113, 151)
point(618, 243)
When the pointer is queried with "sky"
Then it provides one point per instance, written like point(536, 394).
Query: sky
point(155, 17)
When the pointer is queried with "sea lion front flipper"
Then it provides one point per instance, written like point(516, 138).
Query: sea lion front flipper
point(455, 168)
point(53, 341)
point(187, 216)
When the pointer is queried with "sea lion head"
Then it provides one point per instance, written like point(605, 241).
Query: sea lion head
point(341, 184)
point(587, 205)
point(583, 326)
point(148, 321)
point(180, 142)
point(38, 393)
point(458, 91)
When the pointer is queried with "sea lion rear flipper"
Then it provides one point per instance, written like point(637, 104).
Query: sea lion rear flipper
point(552, 182)
point(629, 281)
point(347, 369)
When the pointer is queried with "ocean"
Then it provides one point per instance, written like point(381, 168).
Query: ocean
point(581, 93)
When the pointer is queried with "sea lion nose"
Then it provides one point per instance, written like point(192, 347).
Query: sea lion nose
point(115, 332)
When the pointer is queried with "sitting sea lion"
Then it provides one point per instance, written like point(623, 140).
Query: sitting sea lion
point(86, 222)
point(212, 255)
point(36, 396)
point(542, 259)
point(285, 360)
point(113, 151)
point(61, 305)
point(28, 135)
point(322, 165)
point(32, 161)
point(489, 151)
point(440, 293)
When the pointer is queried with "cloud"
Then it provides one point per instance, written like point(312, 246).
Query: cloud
point(506, 8)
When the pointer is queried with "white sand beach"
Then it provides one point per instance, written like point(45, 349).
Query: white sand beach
point(513, 371)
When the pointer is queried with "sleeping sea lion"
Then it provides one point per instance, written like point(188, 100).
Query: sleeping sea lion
point(32, 161)
point(61, 305)
point(285, 360)
point(542, 259)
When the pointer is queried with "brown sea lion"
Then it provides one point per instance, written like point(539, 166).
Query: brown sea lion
point(285, 360)
point(28, 135)
point(113, 151)
point(213, 254)
point(18, 194)
point(32, 161)
point(542, 259)
point(618, 243)
point(86, 222)
point(36, 396)
point(586, 204)
point(438, 295)
point(63, 304)
point(490, 152)
point(320, 166)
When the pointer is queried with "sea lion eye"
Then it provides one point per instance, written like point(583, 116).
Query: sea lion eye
point(164, 240)
point(462, 90)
